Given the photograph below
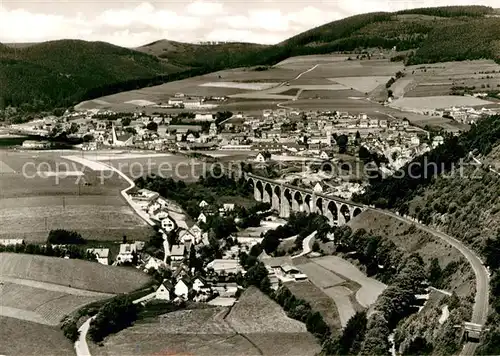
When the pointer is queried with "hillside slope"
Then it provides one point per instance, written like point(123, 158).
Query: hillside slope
point(456, 189)
point(62, 72)
point(79, 274)
point(214, 56)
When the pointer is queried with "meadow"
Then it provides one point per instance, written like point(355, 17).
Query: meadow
point(79, 274)
point(319, 301)
point(19, 337)
point(257, 326)
point(46, 190)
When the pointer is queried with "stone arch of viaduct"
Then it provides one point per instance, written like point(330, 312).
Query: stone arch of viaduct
point(286, 199)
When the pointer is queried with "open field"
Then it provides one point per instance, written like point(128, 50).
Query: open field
point(79, 274)
point(45, 190)
point(437, 102)
point(44, 305)
point(212, 331)
point(19, 337)
point(320, 276)
point(319, 58)
point(348, 287)
point(318, 300)
point(42, 193)
point(362, 84)
point(239, 85)
point(324, 82)
point(342, 297)
point(370, 288)
point(255, 312)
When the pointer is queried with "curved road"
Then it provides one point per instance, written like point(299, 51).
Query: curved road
point(481, 302)
point(81, 346)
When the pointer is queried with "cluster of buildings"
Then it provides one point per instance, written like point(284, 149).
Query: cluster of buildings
point(180, 100)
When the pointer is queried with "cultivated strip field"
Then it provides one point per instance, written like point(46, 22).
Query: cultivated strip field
point(40, 305)
point(361, 84)
point(256, 313)
point(79, 274)
point(239, 85)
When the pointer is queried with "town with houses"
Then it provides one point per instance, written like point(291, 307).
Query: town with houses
point(280, 133)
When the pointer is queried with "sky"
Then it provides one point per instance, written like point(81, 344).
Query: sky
point(135, 23)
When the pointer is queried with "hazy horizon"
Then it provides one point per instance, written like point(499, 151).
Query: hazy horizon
point(134, 23)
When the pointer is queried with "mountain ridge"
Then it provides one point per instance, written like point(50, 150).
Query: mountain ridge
point(50, 74)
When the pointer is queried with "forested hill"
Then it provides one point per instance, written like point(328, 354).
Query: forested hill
point(62, 73)
point(461, 197)
point(436, 34)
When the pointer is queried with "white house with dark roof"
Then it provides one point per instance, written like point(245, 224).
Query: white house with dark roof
point(165, 291)
point(183, 287)
point(200, 285)
point(102, 255)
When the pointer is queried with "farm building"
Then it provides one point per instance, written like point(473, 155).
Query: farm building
point(202, 218)
point(102, 255)
point(126, 253)
point(228, 266)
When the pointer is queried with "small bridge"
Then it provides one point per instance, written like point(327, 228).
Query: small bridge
point(286, 198)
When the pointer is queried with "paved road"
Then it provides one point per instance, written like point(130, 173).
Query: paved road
point(81, 347)
point(481, 302)
point(307, 244)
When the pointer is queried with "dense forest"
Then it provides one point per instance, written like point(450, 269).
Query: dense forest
point(63, 73)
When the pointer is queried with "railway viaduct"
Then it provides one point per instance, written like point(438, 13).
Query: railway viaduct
point(286, 199)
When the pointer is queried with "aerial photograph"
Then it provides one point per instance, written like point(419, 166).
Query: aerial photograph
point(265, 178)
